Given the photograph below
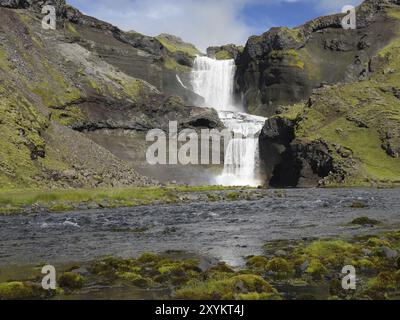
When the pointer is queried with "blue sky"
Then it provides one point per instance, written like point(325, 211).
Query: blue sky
point(208, 22)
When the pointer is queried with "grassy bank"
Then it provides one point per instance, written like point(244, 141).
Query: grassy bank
point(20, 201)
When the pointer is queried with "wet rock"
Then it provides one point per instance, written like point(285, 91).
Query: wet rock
point(366, 252)
point(281, 253)
point(389, 253)
point(359, 205)
point(365, 221)
point(304, 266)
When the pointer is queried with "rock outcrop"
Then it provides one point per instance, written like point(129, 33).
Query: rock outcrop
point(229, 51)
point(283, 66)
point(342, 127)
point(345, 135)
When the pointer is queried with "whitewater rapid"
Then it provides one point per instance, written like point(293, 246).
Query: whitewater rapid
point(214, 81)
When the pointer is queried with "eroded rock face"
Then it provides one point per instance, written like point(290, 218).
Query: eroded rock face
point(283, 66)
point(83, 99)
point(229, 51)
point(293, 162)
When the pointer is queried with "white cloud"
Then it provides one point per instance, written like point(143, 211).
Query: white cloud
point(203, 23)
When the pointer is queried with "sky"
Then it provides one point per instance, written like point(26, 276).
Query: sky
point(208, 22)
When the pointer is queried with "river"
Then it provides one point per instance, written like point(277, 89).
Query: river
point(226, 230)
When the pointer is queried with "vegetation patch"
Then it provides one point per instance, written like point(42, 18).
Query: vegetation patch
point(310, 269)
point(223, 55)
point(362, 221)
point(26, 200)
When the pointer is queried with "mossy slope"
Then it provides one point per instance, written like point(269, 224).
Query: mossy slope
point(356, 125)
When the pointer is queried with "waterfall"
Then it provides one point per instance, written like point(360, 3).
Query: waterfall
point(214, 80)
point(241, 156)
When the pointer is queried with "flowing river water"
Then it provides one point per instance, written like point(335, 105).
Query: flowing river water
point(226, 230)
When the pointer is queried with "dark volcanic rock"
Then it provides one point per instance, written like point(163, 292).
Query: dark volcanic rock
point(154, 113)
point(283, 66)
point(289, 162)
point(229, 51)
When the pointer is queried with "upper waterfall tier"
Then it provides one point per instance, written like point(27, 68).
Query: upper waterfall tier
point(213, 80)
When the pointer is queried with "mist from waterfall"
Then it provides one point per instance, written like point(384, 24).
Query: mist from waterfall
point(214, 81)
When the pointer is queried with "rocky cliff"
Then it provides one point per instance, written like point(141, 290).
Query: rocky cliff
point(70, 96)
point(284, 65)
point(347, 132)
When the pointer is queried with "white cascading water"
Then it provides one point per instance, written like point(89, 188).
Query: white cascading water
point(214, 80)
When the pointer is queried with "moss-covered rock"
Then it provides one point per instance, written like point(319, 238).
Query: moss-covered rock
point(71, 281)
point(362, 221)
point(19, 291)
point(237, 287)
point(257, 263)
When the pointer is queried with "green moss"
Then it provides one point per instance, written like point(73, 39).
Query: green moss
point(219, 272)
point(149, 258)
point(71, 28)
point(4, 62)
point(171, 64)
point(290, 58)
point(365, 221)
point(133, 88)
point(68, 116)
point(137, 196)
point(258, 263)
point(279, 265)
point(379, 287)
point(93, 84)
point(232, 196)
point(331, 253)
point(71, 281)
point(316, 269)
point(344, 116)
point(294, 33)
point(393, 12)
point(178, 47)
point(17, 291)
point(237, 287)
point(45, 91)
point(292, 112)
point(365, 265)
point(378, 242)
point(21, 140)
point(223, 55)
point(136, 279)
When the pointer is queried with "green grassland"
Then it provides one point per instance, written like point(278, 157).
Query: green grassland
point(15, 201)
